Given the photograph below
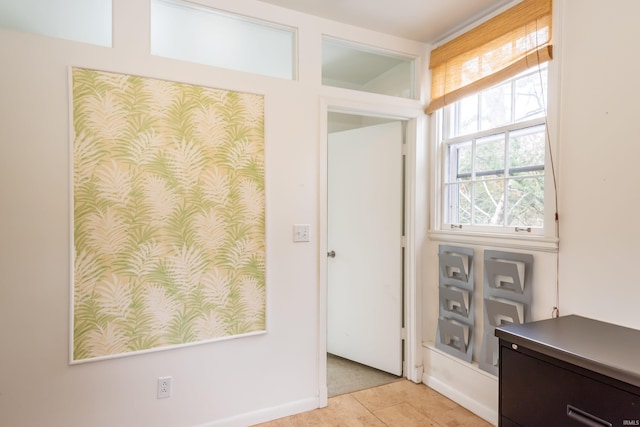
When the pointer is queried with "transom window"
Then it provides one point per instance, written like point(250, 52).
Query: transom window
point(493, 153)
point(86, 21)
point(197, 33)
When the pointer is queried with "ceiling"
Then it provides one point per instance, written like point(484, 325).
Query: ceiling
point(422, 20)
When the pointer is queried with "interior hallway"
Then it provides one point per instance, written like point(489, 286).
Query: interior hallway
point(401, 403)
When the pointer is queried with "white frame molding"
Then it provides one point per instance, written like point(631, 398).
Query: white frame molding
point(415, 227)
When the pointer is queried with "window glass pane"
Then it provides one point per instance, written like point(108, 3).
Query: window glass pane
point(458, 200)
point(467, 115)
point(464, 205)
point(350, 66)
point(450, 202)
point(460, 156)
point(500, 174)
point(526, 151)
point(496, 106)
point(198, 34)
point(526, 202)
point(488, 206)
point(87, 21)
point(530, 95)
point(490, 152)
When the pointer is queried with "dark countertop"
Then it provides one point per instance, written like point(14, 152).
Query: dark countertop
point(601, 347)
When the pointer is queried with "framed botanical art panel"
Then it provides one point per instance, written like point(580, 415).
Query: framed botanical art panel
point(168, 214)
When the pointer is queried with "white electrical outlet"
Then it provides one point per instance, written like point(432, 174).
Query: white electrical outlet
point(164, 387)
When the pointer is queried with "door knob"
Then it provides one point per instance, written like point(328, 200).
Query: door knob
point(331, 254)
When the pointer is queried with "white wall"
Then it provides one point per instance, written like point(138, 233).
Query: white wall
point(598, 147)
point(235, 382)
point(599, 159)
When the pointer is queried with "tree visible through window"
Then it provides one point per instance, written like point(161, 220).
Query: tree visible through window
point(494, 156)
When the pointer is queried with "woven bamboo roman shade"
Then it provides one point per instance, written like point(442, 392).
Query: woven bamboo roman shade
point(496, 50)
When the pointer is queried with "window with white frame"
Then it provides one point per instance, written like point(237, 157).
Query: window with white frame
point(493, 157)
point(86, 21)
point(196, 33)
point(489, 89)
point(352, 66)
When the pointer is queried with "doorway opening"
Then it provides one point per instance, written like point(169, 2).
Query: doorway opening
point(346, 376)
point(365, 264)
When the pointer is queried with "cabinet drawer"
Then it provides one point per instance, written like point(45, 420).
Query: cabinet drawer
point(534, 392)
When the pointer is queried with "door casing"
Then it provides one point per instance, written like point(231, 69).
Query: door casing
point(415, 226)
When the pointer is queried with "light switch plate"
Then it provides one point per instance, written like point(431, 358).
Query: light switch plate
point(301, 233)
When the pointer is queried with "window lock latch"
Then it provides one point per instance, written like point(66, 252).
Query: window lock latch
point(456, 225)
point(527, 229)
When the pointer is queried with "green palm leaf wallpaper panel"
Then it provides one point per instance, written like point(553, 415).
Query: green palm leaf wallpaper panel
point(168, 214)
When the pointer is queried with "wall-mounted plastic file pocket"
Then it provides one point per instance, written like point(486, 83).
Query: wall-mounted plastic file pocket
point(507, 299)
point(505, 275)
point(454, 300)
point(456, 266)
point(503, 312)
point(454, 338)
point(455, 295)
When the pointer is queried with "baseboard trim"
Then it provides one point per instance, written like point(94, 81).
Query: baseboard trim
point(487, 414)
point(267, 414)
point(451, 377)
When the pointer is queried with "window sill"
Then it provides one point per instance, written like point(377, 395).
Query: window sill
point(533, 243)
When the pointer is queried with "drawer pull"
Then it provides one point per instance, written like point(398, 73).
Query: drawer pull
point(586, 418)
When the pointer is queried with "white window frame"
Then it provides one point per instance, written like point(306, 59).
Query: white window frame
point(88, 21)
point(341, 52)
point(223, 39)
point(544, 238)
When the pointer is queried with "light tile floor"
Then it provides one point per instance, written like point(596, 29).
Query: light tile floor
point(399, 404)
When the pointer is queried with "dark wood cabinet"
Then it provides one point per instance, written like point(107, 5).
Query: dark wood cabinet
point(569, 371)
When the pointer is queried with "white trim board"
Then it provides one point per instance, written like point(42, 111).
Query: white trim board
point(413, 224)
point(267, 414)
point(462, 382)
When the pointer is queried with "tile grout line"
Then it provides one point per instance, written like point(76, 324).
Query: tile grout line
point(368, 409)
point(403, 401)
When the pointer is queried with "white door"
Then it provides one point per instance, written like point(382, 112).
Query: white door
point(365, 180)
